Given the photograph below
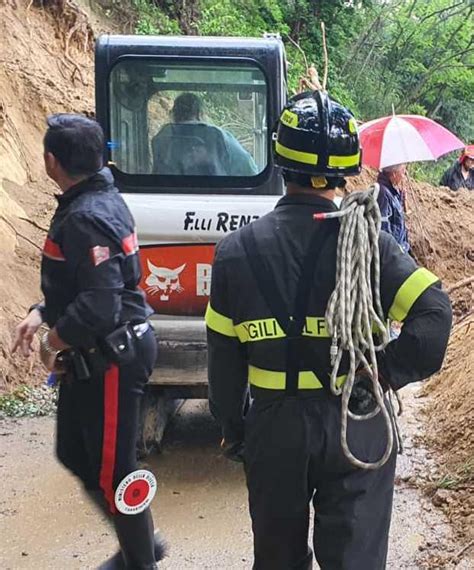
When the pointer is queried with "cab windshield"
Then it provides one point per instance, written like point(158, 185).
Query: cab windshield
point(185, 118)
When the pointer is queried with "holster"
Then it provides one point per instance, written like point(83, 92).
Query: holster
point(73, 362)
point(118, 347)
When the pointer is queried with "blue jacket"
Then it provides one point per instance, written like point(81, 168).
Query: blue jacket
point(391, 205)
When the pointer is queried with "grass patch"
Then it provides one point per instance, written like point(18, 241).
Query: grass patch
point(26, 401)
point(462, 474)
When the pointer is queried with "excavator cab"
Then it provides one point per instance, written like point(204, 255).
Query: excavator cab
point(239, 85)
point(188, 122)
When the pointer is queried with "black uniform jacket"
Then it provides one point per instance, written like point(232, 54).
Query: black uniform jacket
point(454, 179)
point(90, 268)
point(246, 344)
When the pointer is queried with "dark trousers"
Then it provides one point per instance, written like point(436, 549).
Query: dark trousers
point(293, 457)
point(97, 426)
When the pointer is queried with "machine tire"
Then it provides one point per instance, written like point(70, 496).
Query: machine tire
point(156, 411)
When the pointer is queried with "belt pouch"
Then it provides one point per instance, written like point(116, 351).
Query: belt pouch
point(119, 345)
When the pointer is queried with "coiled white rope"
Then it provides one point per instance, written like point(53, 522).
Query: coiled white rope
point(355, 311)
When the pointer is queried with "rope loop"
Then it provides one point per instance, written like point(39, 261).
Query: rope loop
point(354, 311)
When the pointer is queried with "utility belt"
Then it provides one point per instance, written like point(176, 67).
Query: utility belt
point(270, 385)
point(119, 347)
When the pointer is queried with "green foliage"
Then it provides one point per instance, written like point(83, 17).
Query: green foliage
point(418, 56)
point(240, 17)
point(414, 55)
point(152, 20)
point(431, 171)
point(27, 401)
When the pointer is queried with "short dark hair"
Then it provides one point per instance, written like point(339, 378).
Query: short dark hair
point(186, 107)
point(77, 142)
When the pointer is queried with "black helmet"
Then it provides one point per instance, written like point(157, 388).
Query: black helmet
point(318, 136)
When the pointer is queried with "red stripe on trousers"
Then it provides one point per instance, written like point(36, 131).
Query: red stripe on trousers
point(109, 442)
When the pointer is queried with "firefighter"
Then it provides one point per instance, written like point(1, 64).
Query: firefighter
point(99, 344)
point(461, 174)
point(266, 277)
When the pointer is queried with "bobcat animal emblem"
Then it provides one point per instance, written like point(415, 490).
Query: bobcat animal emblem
point(163, 281)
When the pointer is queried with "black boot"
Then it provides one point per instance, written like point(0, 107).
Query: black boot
point(135, 534)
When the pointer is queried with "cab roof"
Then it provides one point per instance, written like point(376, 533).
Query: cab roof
point(114, 46)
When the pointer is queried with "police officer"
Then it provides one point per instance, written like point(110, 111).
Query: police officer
point(290, 437)
point(99, 339)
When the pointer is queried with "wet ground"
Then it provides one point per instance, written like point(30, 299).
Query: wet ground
point(201, 505)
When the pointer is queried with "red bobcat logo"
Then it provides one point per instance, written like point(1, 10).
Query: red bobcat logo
point(163, 281)
point(177, 278)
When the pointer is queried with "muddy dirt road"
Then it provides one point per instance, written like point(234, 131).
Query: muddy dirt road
point(201, 505)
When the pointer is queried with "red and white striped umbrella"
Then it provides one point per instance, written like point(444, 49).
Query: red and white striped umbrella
point(404, 138)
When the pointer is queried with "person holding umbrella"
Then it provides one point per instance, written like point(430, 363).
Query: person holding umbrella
point(461, 173)
point(388, 144)
point(391, 200)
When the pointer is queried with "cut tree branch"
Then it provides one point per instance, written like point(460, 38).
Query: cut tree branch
point(326, 58)
point(459, 284)
point(300, 49)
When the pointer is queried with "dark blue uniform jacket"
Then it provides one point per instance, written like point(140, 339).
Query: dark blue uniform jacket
point(90, 268)
point(246, 344)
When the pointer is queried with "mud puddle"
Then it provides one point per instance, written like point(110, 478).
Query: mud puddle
point(201, 505)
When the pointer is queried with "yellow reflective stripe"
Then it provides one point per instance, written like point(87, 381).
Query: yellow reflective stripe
point(316, 327)
point(409, 292)
point(267, 329)
point(297, 155)
point(352, 160)
point(352, 126)
point(289, 119)
point(272, 380)
point(218, 323)
point(262, 329)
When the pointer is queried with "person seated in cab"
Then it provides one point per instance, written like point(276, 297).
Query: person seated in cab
point(461, 173)
point(189, 146)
